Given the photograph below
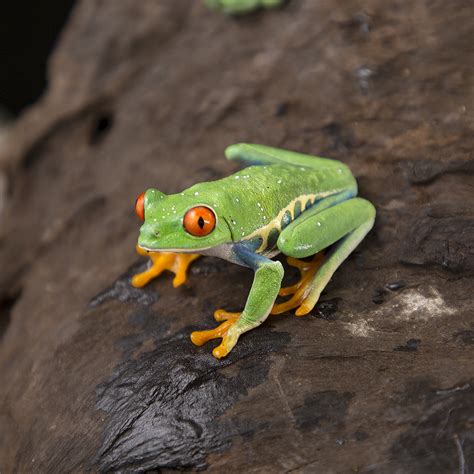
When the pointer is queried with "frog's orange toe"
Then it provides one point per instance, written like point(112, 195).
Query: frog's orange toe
point(179, 280)
point(201, 337)
point(139, 280)
point(303, 310)
point(198, 338)
point(223, 315)
point(220, 351)
point(301, 288)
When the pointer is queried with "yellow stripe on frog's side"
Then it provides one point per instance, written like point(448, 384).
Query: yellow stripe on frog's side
point(275, 223)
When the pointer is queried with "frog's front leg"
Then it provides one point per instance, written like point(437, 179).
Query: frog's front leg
point(178, 263)
point(265, 287)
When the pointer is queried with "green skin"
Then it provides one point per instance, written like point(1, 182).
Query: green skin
point(240, 7)
point(287, 202)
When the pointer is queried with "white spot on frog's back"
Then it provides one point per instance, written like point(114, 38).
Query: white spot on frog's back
point(196, 193)
point(302, 247)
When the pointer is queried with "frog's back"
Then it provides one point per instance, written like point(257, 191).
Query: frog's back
point(259, 196)
point(286, 181)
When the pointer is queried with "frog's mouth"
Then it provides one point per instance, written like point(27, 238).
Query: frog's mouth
point(173, 250)
point(224, 251)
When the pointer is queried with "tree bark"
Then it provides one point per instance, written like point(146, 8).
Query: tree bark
point(99, 376)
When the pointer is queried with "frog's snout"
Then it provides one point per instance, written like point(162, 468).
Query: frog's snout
point(148, 236)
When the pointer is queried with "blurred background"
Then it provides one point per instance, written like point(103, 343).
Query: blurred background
point(101, 100)
point(27, 37)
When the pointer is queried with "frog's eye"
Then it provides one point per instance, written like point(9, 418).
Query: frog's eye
point(140, 206)
point(199, 221)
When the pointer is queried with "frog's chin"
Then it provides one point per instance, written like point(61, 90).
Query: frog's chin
point(174, 250)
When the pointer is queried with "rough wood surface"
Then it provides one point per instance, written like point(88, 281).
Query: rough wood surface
point(96, 375)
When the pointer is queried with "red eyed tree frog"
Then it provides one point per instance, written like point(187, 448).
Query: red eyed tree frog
point(284, 202)
point(239, 7)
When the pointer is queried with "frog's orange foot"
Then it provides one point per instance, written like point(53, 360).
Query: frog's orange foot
point(223, 315)
point(224, 331)
point(300, 290)
point(178, 263)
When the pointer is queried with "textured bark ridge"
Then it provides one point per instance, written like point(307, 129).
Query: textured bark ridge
point(96, 375)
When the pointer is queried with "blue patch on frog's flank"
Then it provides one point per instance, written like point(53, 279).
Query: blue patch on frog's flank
point(254, 243)
point(272, 238)
point(297, 210)
point(286, 219)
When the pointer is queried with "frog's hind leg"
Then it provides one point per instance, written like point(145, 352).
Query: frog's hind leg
point(178, 263)
point(345, 225)
point(300, 289)
point(265, 155)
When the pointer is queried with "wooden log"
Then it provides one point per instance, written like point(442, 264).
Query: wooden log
point(99, 376)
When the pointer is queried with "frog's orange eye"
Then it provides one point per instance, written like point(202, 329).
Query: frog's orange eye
point(140, 206)
point(199, 221)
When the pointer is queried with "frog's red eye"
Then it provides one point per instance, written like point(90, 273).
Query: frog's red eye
point(140, 206)
point(199, 221)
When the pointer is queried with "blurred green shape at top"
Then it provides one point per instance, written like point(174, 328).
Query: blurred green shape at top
point(240, 7)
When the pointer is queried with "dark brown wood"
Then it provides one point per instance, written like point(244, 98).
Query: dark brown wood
point(96, 375)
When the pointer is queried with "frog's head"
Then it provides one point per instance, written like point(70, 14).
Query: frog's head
point(178, 223)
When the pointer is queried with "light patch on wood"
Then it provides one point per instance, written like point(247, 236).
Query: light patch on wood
point(412, 304)
point(360, 328)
